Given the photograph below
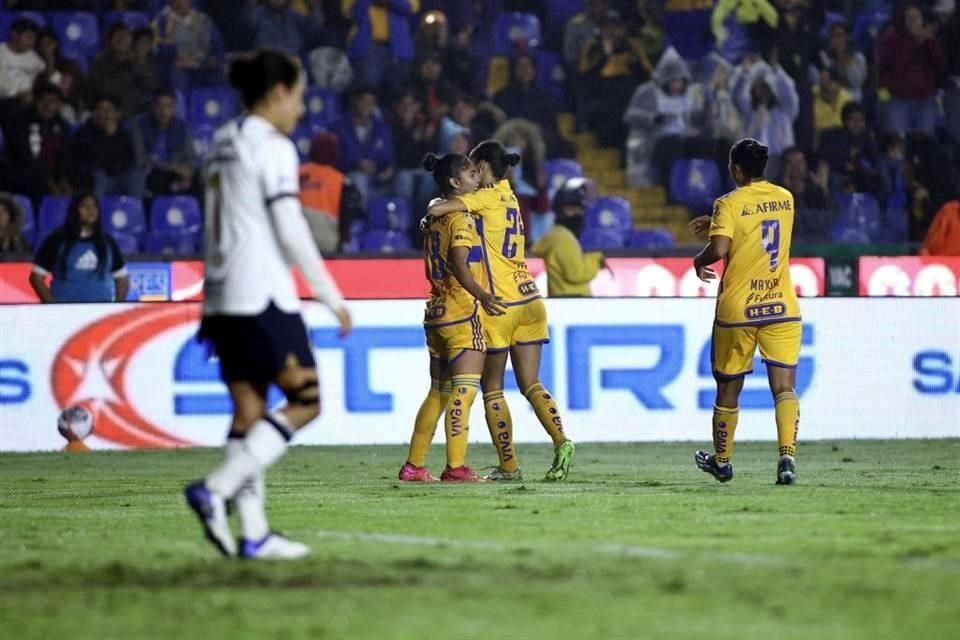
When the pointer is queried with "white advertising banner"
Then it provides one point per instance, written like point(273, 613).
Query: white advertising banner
point(622, 369)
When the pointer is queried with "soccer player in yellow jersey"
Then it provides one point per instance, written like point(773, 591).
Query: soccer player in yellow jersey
point(458, 285)
point(750, 230)
point(521, 331)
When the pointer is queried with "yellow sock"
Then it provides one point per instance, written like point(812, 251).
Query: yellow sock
point(500, 425)
point(464, 389)
point(425, 424)
point(547, 413)
point(787, 410)
point(724, 426)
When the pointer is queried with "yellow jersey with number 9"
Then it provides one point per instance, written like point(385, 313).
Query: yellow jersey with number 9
point(449, 302)
point(502, 236)
point(756, 288)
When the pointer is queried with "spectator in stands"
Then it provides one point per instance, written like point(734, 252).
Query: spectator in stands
point(569, 269)
point(84, 260)
point(325, 193)
point(62, 72)
point(932, 180)
point(414, 136)
point(650, 35)
point(951, 93)
point(943, 236)
point(725, 123)
point(734, 25)
point(37, 161)
point(365, 144)
point(794, 47)
point(19, 67)
point(829, 99)
point(190, 44)
point(455, 134)
point(893, 149)
point(839, 54)
point(330, 68)
point(910, 62)
point(112, 71)
point(581, 30)
point(381, 39)
point(432, 89)
point(164, 148)
point(767, 100)
point(851, 154)
point(524, 137)
point(12, 240)
point(812, 220)
point(103, 155)
point(462, 68)
point(610, 69)
point(664, 112)
point(523, 99)
point(275, 24)
point(147, 71)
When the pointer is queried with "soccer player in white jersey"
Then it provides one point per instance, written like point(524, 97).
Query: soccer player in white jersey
point(251, 312)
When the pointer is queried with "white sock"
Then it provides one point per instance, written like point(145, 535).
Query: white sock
point(266, 442)
point(251, 500)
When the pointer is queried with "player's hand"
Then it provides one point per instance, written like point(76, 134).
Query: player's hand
point(699, 225)
point(425, 224)
point(706, 273)
point(492, 305)
point(346, 322)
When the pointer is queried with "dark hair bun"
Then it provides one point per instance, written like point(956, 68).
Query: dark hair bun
point(512, 159)
point(240, 69)
point(430, 161)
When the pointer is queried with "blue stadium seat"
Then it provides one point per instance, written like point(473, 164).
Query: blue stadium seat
point(391, 214)
point(867, 28)
point(649, 239)
point(53, 212)
point(555, 20)
point(558, 171)
point(79, 32)
point(7, 18)
point(176, 215)
point(321, 106)
point(212, 105)
point(302, 136)
point(171, 244)
point(514, 29)
point(601, 239)
point(696, 183)
point(202, 137)
point(382, 241)
point(551, 74)
point(858, 210)
point(29, 226)
point(128, 243)
point(610, 213)
point(133, 19)
point(845, 232)
point(122, 214)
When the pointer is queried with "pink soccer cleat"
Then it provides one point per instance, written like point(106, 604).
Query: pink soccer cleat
point(411, 473)
point(460, 474)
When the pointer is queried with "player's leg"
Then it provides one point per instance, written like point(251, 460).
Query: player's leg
point(526, 368)
point(731, 353)
point(780, 350)
point(499, 420)
point(251, 499)
point(465, 372)
point(425, 424)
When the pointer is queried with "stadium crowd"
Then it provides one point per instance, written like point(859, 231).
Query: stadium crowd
point(858, 100)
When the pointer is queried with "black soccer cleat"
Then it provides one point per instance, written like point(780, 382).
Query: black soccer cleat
point(786, 471)
point(707, 463)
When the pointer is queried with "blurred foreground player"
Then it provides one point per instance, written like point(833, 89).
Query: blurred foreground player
point(251, 311)
point(750, 231)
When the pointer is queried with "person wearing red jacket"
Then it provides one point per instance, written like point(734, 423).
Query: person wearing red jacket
point(911, 65)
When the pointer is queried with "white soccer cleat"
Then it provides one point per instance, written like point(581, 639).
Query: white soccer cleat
point(273, 547)
point(211, 509)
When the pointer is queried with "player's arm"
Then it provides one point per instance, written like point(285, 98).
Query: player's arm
point(721, 233)
point(439, 207)
point(463, 236)
point(293, 232)
point(475, 203)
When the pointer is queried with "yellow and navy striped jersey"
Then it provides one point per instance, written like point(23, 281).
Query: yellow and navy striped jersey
point(502, 236)
point(756, 288)
point(449, 301)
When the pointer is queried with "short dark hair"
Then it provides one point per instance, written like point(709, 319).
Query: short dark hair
point(165, 92)
point(496, 155)
point(22, 24)
point(751, 156)
point(254, 74)
point(116, 28)
point(791, 150)
point(143, 32)
point(113, 100)
point(851, 108)
point(360, 89)
point(43, 89)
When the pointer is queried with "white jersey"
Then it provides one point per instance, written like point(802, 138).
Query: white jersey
point(254, 226)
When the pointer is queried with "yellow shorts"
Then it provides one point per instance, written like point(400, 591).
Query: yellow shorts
point(446, 341)
point(521, 324)
point(733, 347)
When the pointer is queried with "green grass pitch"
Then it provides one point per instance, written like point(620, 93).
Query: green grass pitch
point(637, 544)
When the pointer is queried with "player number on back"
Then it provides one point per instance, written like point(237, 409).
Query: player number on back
point(770, 237)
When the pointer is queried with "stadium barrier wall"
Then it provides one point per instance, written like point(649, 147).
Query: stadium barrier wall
point(623, 370)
